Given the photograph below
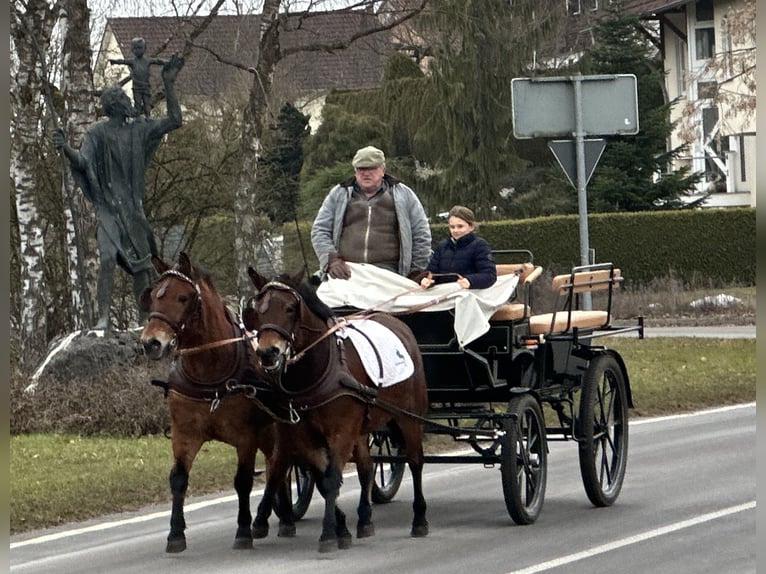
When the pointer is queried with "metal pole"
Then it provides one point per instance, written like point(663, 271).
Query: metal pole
point(582, 198)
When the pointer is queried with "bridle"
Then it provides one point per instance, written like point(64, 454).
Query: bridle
point(177, 326)
point(290, 355)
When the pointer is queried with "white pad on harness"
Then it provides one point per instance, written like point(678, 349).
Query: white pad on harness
point(383, 354)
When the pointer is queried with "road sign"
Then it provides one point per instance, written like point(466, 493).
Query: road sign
point(546, 107)
point(565, 153)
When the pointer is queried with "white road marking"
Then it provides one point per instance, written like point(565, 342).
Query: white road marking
point(555, 563)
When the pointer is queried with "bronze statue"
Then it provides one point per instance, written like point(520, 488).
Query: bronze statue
point(110, 169)
point(139, 75)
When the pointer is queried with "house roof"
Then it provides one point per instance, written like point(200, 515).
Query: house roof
point(235, 39)
point(652, 6)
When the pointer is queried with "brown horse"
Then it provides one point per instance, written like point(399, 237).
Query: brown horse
point(208, 388)
point(333, 403)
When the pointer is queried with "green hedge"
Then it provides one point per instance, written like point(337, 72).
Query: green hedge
point(709, 245)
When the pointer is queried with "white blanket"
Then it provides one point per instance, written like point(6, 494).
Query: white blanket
point(383, 354)
point(372, 287)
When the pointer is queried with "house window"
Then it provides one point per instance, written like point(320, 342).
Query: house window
point(704, 30)
point(704, 10)
point(704, 39)
point(707, 90)
point(681, 55)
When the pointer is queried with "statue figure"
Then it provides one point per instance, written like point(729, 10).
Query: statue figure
point(110, 169)
point(139, 75)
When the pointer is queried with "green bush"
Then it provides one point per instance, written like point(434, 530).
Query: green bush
point(715, 246)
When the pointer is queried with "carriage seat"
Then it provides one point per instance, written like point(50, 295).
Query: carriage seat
point(568, 286)
point(527, 273)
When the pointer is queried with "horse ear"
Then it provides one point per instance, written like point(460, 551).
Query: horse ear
point(258, 280)
point(184, 264)
point(145, 302)
point(159, 265)
point(298, 277)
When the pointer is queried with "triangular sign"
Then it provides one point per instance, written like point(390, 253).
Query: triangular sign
point(565, 153)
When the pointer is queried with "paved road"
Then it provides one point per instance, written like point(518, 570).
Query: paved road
point(688, 505)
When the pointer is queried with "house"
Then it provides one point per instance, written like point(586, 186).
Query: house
point(221, 62)
point(703, 59)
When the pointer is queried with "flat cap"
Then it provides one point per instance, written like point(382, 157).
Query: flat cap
point(369, 156)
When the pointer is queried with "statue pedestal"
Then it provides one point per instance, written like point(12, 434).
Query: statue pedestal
point(87, 353)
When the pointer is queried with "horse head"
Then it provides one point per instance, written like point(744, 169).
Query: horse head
point(279, 314)
point(171, 303)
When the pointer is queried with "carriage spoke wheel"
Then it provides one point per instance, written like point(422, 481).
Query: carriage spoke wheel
point(387, 476)
point(603, 430)
point(300, 489)
point(524, 460)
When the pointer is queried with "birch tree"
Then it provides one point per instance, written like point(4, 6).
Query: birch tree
point(31, 25)
point(79, 111)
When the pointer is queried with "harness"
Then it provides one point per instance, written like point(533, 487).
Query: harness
point(241, 378)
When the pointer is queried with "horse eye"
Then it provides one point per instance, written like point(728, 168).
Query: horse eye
point(183, 298)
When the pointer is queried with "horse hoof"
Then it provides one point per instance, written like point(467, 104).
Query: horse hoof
point(260, 531)
point(365, 531)
point(286, 531)
point(419, 531)
point(329, 545)
point(243, 544)
point(176, 545)
point(344, 542)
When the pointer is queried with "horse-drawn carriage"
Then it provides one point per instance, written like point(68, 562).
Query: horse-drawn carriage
point(496, 395)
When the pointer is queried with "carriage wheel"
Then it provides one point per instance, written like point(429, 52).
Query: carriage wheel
point(524, 460)
point(387, 476)
point(603, 430)
point(300, 488)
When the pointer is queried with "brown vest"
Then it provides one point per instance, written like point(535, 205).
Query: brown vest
point(370, 230)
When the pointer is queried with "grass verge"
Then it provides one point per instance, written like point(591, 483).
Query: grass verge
point(58, 478)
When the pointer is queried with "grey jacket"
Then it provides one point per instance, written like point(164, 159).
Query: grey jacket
point(414, 231)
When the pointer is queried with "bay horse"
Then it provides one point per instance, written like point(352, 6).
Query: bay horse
point(333, 403)
point(205, 390)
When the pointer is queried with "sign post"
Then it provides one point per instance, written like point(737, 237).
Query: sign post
point(576, 106)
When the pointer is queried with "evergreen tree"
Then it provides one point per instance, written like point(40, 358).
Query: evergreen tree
point(477, 48)
point(281, 165)
point(633, 172)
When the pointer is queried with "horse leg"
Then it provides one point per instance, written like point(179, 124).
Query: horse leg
point(414, 453)
point(284, 504)
point(335, 534)
point(275, 480)
point(184, 452)
point(243, 484)
point(364, 526)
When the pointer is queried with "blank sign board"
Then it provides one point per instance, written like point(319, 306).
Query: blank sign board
point(546, 107)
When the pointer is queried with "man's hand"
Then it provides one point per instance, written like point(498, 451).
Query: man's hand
point(337, 268)
point(418, 276)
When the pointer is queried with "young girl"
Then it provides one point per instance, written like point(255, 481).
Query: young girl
point(464, 257)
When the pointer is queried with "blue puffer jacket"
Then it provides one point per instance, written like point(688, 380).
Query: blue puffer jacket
point(470, 256)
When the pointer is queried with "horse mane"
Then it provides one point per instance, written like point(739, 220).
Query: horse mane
point(309, 295)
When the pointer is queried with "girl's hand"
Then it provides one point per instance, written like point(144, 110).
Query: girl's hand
point(464, 283)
